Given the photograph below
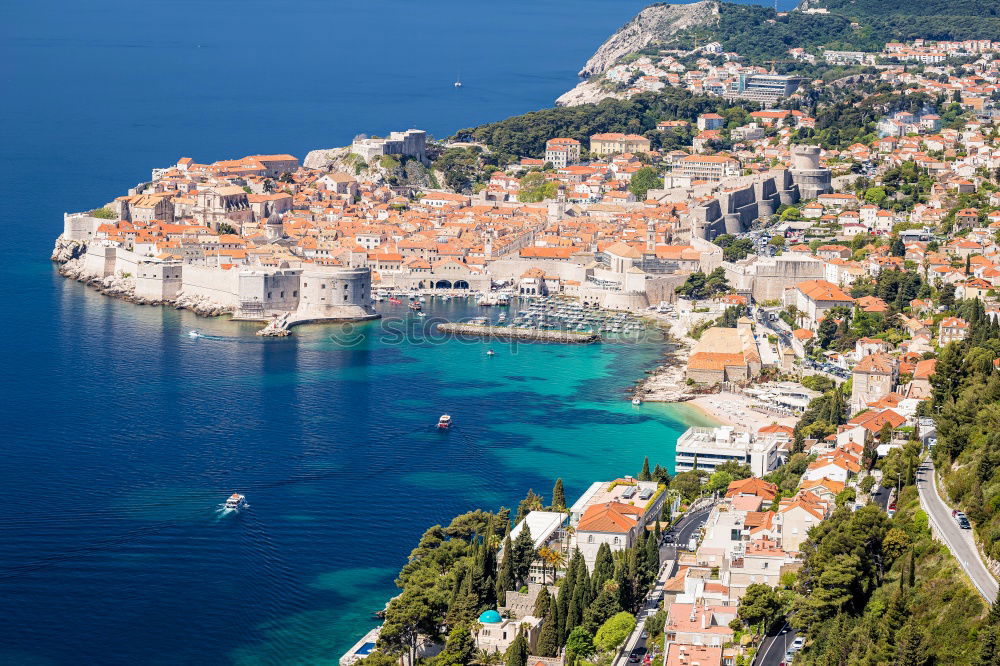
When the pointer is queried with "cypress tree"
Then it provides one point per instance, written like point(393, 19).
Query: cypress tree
point(522, 556)
point(574, 614)
point(913, 569)
point(604, 569)
point(542, 603)
point(644, 475)
point(582, 582)
point(652, 556)
point(548, 640)
point(505, 576)
point(558, 495)
point(517, 653)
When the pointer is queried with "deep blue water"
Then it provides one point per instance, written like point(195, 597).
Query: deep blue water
point(122, 434)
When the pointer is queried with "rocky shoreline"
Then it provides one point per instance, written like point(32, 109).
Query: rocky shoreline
point(69, 254)
point(666, 382)
point(587, 92)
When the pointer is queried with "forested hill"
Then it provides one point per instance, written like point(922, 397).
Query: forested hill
point(909, 19)
point(759, 34)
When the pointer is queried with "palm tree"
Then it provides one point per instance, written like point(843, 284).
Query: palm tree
point(556, 560)
point(552, 557)
point(487, 658)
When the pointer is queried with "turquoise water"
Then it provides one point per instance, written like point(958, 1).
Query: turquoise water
point(112, 491)
point(122, 435)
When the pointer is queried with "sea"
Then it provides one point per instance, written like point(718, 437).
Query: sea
point(122, 434)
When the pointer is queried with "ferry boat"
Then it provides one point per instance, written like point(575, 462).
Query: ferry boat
point(395, 301)
point(236, 501)
point(444, 421)
point(415, 305)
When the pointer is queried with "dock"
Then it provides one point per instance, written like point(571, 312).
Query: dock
point(509, 333)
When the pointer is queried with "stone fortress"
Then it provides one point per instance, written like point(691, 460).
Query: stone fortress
point(301, 293)
point(747, 198)
point(411, 143)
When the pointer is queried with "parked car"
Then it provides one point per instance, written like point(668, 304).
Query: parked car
point(798, 643)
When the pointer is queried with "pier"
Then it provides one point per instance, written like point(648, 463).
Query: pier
point(507, 333)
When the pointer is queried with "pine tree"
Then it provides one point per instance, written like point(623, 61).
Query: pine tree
point(993, 617)
point(460, 648)
point(503, 521)
point(910, 647)
point(558, 495)
point(644, 475)
point(988, 646)
point(531, 502)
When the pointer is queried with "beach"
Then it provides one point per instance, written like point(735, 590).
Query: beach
point(736, 410)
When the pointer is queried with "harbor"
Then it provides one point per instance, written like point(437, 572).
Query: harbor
point(510, 333)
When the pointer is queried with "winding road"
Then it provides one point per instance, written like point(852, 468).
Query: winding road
point(959, 541)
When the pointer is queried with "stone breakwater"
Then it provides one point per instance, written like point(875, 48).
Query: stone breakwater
point(506, 333)
point(69, 254)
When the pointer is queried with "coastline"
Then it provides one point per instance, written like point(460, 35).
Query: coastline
point(69, 257)
point(733, 409)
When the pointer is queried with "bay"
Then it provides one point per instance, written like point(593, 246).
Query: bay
point(122, 434)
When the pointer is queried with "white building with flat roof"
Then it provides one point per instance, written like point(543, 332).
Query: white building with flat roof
point(614, 512)
point(713, 446)
point(546, 529)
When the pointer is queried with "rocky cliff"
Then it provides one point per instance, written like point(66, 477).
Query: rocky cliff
point(388, 170)
point(652, 24)
point(586, 92)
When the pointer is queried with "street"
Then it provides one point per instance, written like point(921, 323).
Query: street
point(881, 497)
point(959, 541)
point(773, 648)
point(684, 530)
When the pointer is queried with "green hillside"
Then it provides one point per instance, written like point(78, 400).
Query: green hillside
point(931, 19)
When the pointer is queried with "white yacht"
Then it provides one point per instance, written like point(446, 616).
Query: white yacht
point(236, 501)
point(444, 421)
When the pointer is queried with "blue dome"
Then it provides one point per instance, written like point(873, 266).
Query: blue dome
point(490, 617)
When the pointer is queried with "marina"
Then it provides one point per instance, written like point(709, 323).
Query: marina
point(505, 333)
